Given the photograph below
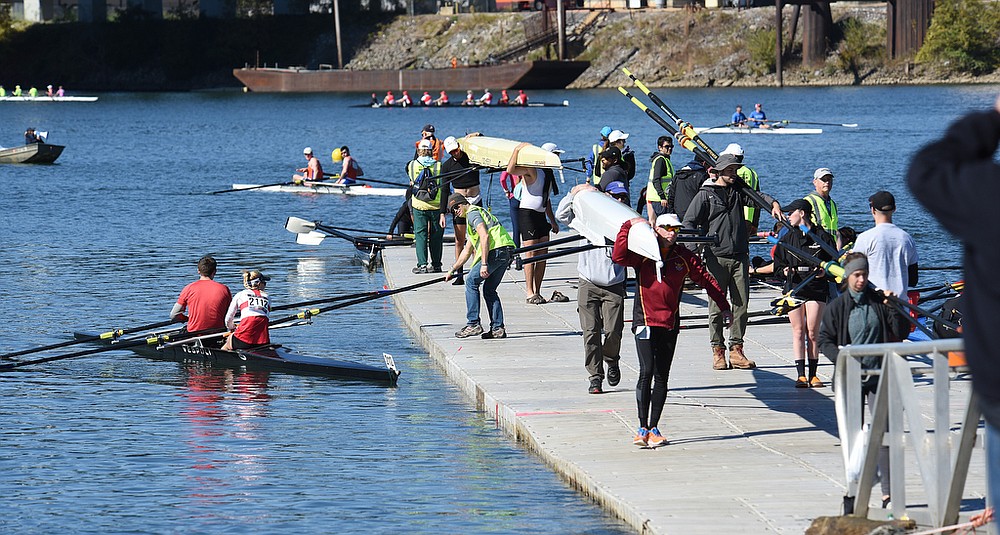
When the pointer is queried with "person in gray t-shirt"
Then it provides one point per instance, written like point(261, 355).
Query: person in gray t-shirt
point(891, 252)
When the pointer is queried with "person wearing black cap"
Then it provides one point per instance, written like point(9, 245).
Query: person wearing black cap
point(31, 137)
point(437, 146)
point(614, 170)
point(805, 319)
point(718, 209)
point(254, 307)
point(891, 252)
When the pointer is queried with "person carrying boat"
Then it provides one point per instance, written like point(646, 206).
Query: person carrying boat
point(824, 209)
point(521, 99)
point(205, 301)
point(592, 165)
point(467, 184)
point(30, 137)
point(614, 172)
point(751, 214)
point(718, 209)
point(535, 220)
point(617, 139)
point(442, 99)
point(428, 210)
point(758, 119)
point(491, 249)
point(389, 99)
point(805, 319)
point(891, 251)
point(312, 172)
point(437, 147)
point(254, 307)
point(425, 99)
point(486, 99)
point(350, 170)
point(655, 318)
point(738, 118)
point(600, 302)
point(661, 174)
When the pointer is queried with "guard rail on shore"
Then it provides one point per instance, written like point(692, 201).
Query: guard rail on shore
point(896, 404)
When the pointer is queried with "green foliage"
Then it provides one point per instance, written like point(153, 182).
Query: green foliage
point(861, 43)
point(760, 44)
point(963, 36)
point(6, 19)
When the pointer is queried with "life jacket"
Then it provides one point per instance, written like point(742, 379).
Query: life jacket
point(595, 151)
point(651, 195)
point(496, 234)
point(821, 216)
point(426, 185)
point(753, 182)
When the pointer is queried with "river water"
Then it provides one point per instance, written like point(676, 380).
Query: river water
point(108, 236)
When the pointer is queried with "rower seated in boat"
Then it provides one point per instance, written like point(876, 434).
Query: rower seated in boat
point(312, 172)
point(350, 169)
point(254, 307)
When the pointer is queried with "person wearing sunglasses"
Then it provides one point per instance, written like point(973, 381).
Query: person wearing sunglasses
point(824, 209)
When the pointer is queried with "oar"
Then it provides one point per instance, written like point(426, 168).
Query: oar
point(845, 125)
point(306, 314)
point(361, 180)
point(682, 126)
point(298, 225)
point(103, 336)
point(251, 188)
point(940, 268)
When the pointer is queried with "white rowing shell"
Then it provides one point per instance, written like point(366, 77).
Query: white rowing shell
point(737, 130)
point(356, 189)
point(495, 152)
point(599, 217)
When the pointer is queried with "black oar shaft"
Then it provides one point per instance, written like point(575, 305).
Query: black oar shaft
point(251, 188)
point(103, 336)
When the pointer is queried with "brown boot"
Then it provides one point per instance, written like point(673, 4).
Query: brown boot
point(739, 360)
point(719, 358)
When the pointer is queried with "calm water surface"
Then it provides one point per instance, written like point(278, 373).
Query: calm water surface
point(108, 237)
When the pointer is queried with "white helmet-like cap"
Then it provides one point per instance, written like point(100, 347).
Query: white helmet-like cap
point(668, 220)
point(307, 150)
point(733, 148)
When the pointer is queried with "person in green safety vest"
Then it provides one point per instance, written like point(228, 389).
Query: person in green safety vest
point(661, 174)
point(750, 212)
point(592, 164)
point(428, 211)
point(491, 249)
point(3, 92)
point(33, 92)
point(824, 209)
point(17, 91)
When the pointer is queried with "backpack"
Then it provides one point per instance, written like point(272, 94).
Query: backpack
point(951, 311)
point(425, 187)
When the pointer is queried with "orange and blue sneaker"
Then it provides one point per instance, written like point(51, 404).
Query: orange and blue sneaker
point(641, 437)
point(654, 438)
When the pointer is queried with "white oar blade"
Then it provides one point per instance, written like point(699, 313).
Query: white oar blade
point(299, 225)
point(310, 238)
point(850, 125)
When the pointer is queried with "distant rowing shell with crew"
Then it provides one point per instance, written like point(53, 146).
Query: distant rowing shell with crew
point(325, 188)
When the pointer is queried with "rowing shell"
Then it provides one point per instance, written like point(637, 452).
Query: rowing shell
point(737, 130)
point(48, 99)
point(495, 152)
point(321, 187)
point(599, 217)
point(276, 358)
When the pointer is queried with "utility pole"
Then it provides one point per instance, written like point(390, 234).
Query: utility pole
point(336, 23)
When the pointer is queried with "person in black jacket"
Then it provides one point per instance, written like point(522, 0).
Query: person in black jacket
point(687, 181)
point(958, 181)
point(861, 315)
point(805, 319)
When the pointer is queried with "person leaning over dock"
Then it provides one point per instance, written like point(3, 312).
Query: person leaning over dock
point(824, 209)
point(861, 315)
point(467, 184)
point(655, 319)
point(254, 307)
point(205, 300)
point(661, 174)
point(428, 212)
point(718, 209)
point(536, 221)
point(312, 172)
point(600, 302)
point(491, 249)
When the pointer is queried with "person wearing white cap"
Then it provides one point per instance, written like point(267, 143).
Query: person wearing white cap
point(717, 209)
point(617, 139)
point(49, 92)
point(467, 184)
point(750, 213)
point(824, 209)
point(661, 174)
point(655, 319)
point(312, 172)
point(428, 210)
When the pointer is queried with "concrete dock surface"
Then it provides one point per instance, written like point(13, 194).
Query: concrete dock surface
point(747, 453)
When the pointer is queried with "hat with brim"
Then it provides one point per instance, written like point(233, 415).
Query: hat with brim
point(668, 221)
point(450, 144)
point(725, 161)
point(797, 204)
point(612, 153)
point(883, 201)
point(456, 199)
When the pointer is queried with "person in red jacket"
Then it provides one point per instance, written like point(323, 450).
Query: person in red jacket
point(655, 319)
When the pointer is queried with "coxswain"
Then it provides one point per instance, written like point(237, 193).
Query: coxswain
point(486, 99)
point(426, 99)
point(375, 103)
point(521, 99)
point(470, 100)
point(405, 100)
point(389, 99)
point(504, 99)
point(442, 100)
point(313, 171)
point(254, 306)
point(48, 91)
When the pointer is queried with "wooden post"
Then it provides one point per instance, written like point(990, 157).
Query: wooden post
point(778, 65)
point(561, 28)
point(336, 23)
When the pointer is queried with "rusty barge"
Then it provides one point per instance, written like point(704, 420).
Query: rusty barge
point(518, 75)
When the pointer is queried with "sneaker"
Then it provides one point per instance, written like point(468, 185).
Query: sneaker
point(654, 438)
point(816, 383)
point(420, 269)
point(469, 330)
point(595, 386)
point(499, 332)
point(801, 382)
point(641, 437)
point(434, 269)
point(614, 373)
point(738, 360)
point(719, 358)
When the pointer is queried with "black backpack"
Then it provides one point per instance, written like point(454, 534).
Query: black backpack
point(425, 187)
point(951, 311)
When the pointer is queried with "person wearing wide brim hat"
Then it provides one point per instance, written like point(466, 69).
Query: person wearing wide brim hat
point(718, 209)
point(254, 308)
point(313, 171)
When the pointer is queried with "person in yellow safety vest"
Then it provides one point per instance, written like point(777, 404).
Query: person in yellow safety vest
point(33, 92)
point(3, 92)
point(824, 209)
point(491, 248)
point(17, 91)
point(428, 211)
point(593, 162)
point(750, 213)
point(661, 174)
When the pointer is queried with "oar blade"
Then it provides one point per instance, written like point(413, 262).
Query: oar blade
point(310, 238)
point(299, 225)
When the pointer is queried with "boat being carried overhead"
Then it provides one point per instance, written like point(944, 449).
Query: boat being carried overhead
point(750, 130)
point(271, 358)
point(519, 75)
point(324, 187)
point(31, 153)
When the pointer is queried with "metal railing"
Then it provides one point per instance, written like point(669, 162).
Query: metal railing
point(896, 403)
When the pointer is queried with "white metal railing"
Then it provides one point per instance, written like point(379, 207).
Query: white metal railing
point(896, 404)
